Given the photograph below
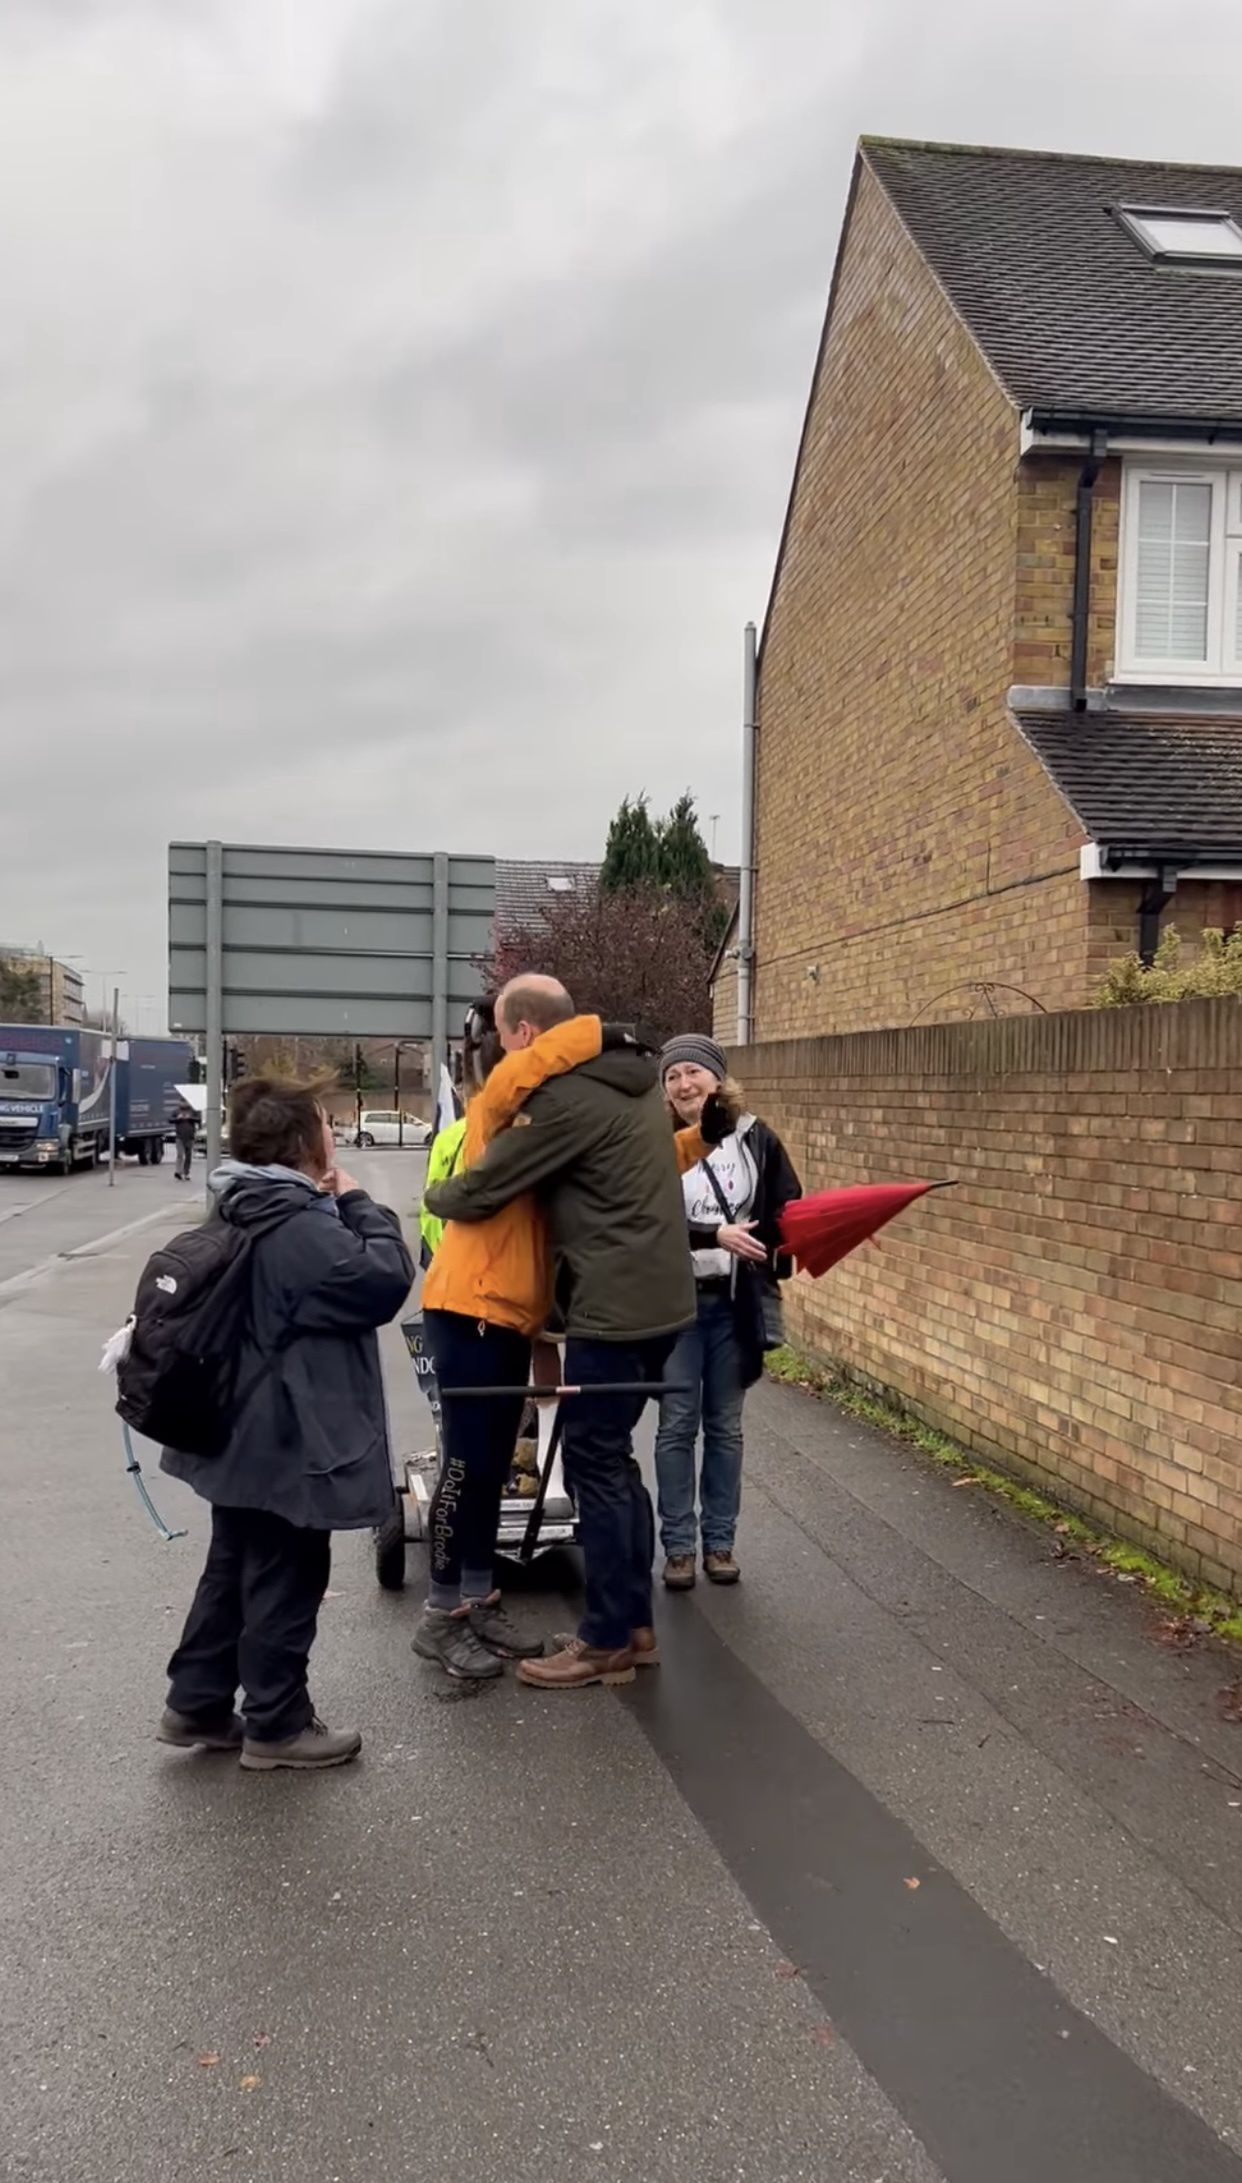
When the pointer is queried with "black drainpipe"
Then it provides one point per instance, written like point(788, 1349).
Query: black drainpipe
point(1082, 570)
point(1154, 900)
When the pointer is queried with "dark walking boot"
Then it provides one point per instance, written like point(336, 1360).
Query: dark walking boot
point(450, 1641)
point(679, 1573)
point(720, 1567)
point(314, 1749)
point(494, 1629)
point(187, 1735)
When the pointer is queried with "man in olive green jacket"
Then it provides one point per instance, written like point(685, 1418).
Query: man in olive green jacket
point(597, 1145)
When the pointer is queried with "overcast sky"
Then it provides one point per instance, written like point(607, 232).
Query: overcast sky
point(398, 397)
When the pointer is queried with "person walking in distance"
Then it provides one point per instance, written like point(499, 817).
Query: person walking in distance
point(185, 1130)
point(596, 1147)
point(733, 1198)
point(307, 1453)
point(486, 1296)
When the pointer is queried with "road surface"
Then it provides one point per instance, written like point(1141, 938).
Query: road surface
point(919, 1858)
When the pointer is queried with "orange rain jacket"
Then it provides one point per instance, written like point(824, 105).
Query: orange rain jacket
point(500, 1270)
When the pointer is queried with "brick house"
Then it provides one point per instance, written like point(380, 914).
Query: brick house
point(999, 692)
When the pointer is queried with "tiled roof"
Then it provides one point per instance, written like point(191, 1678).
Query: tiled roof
point(1146, 782)
point(525, 888)
point(1070, 312)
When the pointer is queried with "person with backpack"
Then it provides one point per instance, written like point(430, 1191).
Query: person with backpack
point(254, 1355)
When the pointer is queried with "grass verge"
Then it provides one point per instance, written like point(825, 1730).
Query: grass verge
point(1194, 1606)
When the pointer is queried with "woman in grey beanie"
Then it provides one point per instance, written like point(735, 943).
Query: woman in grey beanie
point(734, 1198)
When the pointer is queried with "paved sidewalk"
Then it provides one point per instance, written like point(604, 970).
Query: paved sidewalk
point(660, 1933)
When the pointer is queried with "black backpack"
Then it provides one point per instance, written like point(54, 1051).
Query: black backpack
point(178, 1384)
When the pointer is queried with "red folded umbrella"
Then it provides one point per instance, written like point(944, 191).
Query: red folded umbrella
point(827, 1226)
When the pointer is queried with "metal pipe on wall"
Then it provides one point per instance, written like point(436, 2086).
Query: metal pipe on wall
point(215, 1001)
point(746, 889)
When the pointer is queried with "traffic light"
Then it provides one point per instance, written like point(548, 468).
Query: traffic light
point(198, 1070)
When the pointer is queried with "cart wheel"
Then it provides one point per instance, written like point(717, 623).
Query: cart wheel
point(390, 1549)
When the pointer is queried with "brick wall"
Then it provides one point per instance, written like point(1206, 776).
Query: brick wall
point(1198, 906)
point(724, 1002)
point(1073, 1309)
point(1044, 591)
point(908, 842)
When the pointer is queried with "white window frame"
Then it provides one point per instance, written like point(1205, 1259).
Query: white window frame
point(1222, 668)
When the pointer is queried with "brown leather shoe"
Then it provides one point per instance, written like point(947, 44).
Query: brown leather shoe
point(720, 1569)
point(679, 1573)
point(578, 1665)
point(643, 1644)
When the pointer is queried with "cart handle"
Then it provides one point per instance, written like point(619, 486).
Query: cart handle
point(552, 1394)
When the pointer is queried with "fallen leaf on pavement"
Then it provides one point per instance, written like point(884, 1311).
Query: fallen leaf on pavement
point(262, 2039)
point(1178, 1632)
point(1229, 1702)
point(209, 2061)
point(912, 1884)
point(824, 2035)
point(251, 2084)
point(788, 1970)
point(965, 1481)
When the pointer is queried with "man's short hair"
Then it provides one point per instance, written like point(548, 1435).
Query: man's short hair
point(535, 1002)
point(276, 1122)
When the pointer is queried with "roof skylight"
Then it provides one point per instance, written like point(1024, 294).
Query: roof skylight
point(1181, 235)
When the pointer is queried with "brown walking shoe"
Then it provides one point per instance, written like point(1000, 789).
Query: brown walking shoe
point(643, 1644)
point(578, 1665)
point(721, 1568)
point(679, 1573)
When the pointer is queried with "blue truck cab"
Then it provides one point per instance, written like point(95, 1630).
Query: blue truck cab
point(55, 1095)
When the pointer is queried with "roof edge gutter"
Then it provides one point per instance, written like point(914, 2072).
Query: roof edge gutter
point(1061, 430)
point(1119, 860)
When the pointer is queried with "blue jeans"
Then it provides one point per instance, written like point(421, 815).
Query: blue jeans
point(616, 1528)
point(707, 1356)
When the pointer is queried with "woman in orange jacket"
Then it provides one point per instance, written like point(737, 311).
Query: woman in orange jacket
point(487, 1294)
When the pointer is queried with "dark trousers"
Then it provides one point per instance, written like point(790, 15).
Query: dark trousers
point(616, 1527)
point(252, 1624)
point(479, 1436)
point(185, 1158)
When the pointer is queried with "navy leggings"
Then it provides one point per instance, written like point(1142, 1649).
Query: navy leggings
point(479, 1437)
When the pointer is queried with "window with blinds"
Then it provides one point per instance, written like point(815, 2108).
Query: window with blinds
point(1180, 604)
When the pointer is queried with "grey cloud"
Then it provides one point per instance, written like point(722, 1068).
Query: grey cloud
point(397, 406)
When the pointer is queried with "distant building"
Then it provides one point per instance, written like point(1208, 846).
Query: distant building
point(61, 998)
point(525, 889)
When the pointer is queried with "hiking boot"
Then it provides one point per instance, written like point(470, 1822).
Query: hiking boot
point(720, 1567)
point(494, 1629)
point(643, 1644)
point(186, 1735)
point(679, 1573)
point(450, 1641)
point(577, 1665)
point(316, 1747)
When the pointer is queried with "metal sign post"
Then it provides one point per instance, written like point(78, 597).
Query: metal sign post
point(116, 1025)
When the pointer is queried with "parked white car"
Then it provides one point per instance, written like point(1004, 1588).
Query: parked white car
point(380, 1126)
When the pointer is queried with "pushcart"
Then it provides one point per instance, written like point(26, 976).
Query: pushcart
point(535, 1517)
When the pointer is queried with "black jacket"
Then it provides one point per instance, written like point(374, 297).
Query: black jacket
point(756, 1291)
point(595, 1144)
point(185, 1125)
point(311, 1440)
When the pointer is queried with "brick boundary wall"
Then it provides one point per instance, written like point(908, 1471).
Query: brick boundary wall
point(1073, 1309)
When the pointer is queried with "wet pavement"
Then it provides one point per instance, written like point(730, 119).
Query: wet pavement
point(920, 1857)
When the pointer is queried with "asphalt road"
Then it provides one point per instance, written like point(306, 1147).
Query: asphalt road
point(666, 1932)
